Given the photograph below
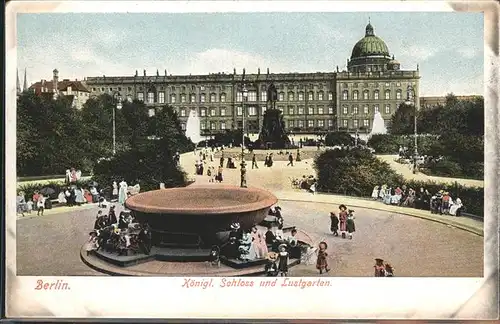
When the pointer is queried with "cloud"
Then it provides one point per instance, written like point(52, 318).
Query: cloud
point(418, 53)
point(468, 52)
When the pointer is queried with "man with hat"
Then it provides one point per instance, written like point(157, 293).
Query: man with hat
point(112, 215)
point(101, 221)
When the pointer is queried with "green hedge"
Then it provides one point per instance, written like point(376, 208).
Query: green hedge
point(30, 188)
point(355, 172)
point(341, 138)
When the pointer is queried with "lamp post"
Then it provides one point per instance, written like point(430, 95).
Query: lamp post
point(411, 94)
point(243, 170)
point(117, 105)
point(356, 135)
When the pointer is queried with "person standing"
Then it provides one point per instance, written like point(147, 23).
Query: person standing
point(322, 262)
point(283, 260)
point(122, 194)
point(290, 160)
point(334, 225)
point(343, 220)
point(351, 227)
point(219, 174)
point(254, 161)
point(40, 204)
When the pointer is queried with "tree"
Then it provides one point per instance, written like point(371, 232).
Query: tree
point(403, 120)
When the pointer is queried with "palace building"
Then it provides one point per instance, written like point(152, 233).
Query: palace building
point(310, 102)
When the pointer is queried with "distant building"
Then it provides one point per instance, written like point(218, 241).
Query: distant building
point(19, 90)
point(435, 101)
point(310, 102)
point(74, 89)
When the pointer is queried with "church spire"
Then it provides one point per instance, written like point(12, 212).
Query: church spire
point(18, 83)
point(25, 84)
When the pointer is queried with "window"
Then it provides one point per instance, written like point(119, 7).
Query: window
point(222, 97)
point(355, 110)
point(301, 111)
point(387, 109)
point(203, 112)
point(263, 110)
point(330, 95)
point(281, 96)
point(213, 98)
point(330, 110)
point(375, 94)
point(291, 96)
point(203, 125)
point(223, 125)
point(321, 123)
point(344, 123)
point(223, 112)
point(310, 95)
point(398, 84)
point(387, 84)
point(111, 89)
point(183, 98)
point(365, 95)
point(129, 98)
point(345, 110)
point(290, 110)
point(140, 96)
point(151, 112)
point(213, 126)
point(301, 96)
point(320, 95)
point(172, 98)
point(93, 89)
point(375, 109)
point(281, 109)
point(202, 88)
point(366, 123)
point(355, 123)
point(345, 95)
point(330, 123)
point(320, 110)
point(183, 126)
point(310, 110)
point(310, 123)
point(202, 97)
point(291, 123)
point(252, 111)
point(193, 98)
point(300, 123)
point(239, 111)
point(239, 96)
point(161, 97)
point(355, 95)
point(129, 89)
point(365, 109)
point(151, 97)
point(212, 112)
point(263, 95)
point(183, 112)
point(398, 94)
point(172, 88)
point(387, 94)
point(252, 96)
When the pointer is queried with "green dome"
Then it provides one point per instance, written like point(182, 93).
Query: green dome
point(370, 45)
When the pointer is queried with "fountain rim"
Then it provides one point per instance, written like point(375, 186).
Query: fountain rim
point(268, 200)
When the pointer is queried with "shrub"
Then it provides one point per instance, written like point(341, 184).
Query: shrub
point(341, 138)
point(385, 143)
point(353, 172)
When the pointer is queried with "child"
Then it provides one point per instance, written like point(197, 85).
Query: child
point(351, 227)
point(322, 262)
point(334, 226)
point(40, 204)
point(283, 260)
point(379, 268)
point(29, 206)
point(343, 219)
point(389, 270)
point(271, 267)
point(92, 243)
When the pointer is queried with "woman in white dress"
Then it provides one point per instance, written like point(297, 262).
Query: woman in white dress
point(61, 198)
point(79, 196)
point(114, 194)
point(122, 194)
point(456, 208)
point(375, 193)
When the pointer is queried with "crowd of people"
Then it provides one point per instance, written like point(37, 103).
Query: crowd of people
point(439, 203)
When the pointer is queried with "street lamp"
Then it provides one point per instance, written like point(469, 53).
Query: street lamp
point(411, 94)
point(117, 105)
point(243, 170)
point(354, 114)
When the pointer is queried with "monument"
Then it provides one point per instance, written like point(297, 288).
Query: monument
point(273, 134)
point(193, 130)
point(378, 126)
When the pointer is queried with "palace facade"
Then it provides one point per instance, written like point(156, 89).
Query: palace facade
point(310, 102)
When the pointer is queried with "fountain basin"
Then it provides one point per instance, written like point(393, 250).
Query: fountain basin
point(200, 215)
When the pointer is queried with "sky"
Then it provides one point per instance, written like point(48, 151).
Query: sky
point(448, 46)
